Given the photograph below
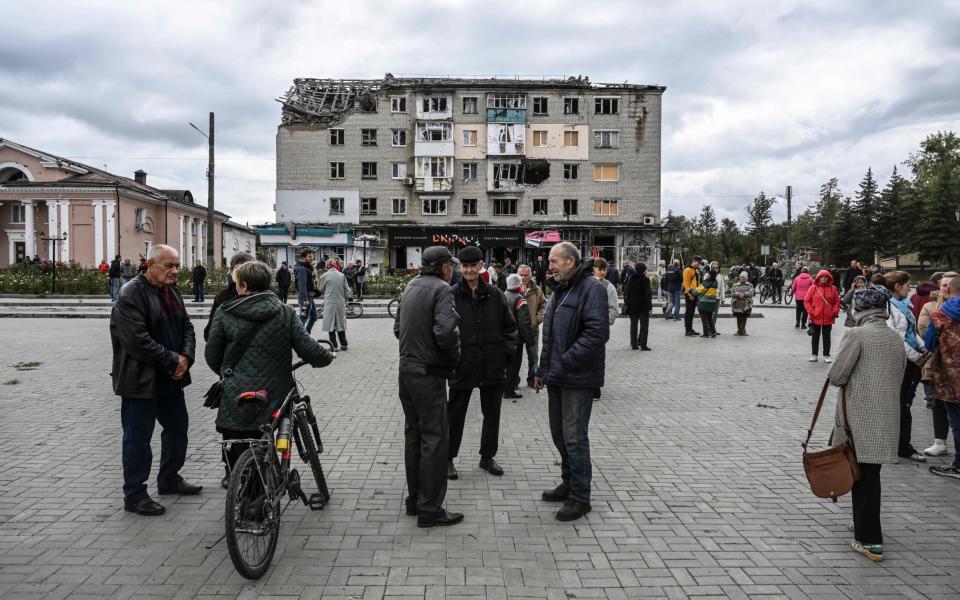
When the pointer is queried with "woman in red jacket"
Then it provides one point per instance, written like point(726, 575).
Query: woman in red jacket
point(823, 305)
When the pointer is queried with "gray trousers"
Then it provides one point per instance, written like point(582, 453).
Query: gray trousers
point(424, 402)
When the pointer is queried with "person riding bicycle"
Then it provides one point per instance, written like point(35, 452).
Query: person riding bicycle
point(250, 349)
point(776, 278)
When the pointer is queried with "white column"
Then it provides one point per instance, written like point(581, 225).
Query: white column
point(180, 236)
point(65, 230)
point(28, 229)
point(111, 208)
point(52, 207)
point(189, 245)
point(201, 243)
point(98, 231)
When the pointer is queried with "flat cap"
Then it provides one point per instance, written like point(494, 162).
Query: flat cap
point(437, 255)
point(470, 254)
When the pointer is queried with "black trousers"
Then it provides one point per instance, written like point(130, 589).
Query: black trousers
point(801, 313)
point(513, 369)
point(908, 389)
point(706, 319)
point(639, 339)
point(424, 402)
point(231, 453)
point(490, 398)
point(818, 331)
point(866, 505)
point(940, 425)
point(282, 294)
point(689, 311)
point(343, 338)
point(742, 322)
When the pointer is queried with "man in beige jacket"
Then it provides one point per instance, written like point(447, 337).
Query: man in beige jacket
point(537, 304)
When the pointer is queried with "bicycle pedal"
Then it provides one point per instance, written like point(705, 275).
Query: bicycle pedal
point(317, 501)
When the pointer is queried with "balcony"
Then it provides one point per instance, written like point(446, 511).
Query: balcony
point(433, 184)
point(432, 148)
point(506, 115)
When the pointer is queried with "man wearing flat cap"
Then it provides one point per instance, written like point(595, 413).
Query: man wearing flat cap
point(488, 336)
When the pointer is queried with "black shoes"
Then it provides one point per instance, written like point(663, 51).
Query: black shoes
point(512, 394)
point(181, 488)
point(572, 510)
point(411, 505)
point(646, 348)
point(490, 466)
point(692, 333)
point(147, 507)
point(441, 519)
point(452, 471)
point(557, 494)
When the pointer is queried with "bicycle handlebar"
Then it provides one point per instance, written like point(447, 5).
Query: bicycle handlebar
point(301, 363)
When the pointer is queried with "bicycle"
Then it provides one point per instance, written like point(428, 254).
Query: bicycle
point(394, 306)
point(262, 476)
point(787, 293)
point(354, 309)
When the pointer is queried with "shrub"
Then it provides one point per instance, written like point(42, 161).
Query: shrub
point(73, 279)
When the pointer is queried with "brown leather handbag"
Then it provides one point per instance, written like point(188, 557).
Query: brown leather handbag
point(831, 472)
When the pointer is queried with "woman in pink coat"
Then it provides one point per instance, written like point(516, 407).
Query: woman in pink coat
point(801, 283)
point(822, 304)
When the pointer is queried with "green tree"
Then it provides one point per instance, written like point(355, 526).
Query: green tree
point(864, 216)
point(896, 221)
point(733, 246)
point(759, 218)
point(936, 171)
point(706, 231)
point(826, 213)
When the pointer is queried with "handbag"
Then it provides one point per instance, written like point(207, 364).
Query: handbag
point(214, 395)
point(831, 473)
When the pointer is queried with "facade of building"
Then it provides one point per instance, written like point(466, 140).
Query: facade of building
point(237, 238)
point(505, 164)
point(94, 214)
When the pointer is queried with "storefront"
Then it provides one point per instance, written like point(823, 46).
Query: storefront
point(279, 244)
point(406, 244)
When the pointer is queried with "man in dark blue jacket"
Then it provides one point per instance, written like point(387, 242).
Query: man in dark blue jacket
point(575, 333)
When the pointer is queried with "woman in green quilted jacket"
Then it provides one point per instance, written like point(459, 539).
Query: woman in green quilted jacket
point(258, 334)
point(706, 293)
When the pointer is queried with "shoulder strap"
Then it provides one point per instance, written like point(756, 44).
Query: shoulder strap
point(816, 413)
point(239, 349)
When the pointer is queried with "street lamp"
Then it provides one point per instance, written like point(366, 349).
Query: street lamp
point(53, 263)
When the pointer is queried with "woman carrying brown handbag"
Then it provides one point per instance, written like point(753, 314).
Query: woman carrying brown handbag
point(870, 366)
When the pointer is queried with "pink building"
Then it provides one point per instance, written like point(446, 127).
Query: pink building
point(102, 214)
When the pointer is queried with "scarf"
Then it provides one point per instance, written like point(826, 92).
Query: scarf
point(911, 335)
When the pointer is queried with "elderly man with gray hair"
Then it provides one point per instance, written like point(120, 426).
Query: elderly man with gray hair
point(521, 312)
point(335, 289)
point(537, 305)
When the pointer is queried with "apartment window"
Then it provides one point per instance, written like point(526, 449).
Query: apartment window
point(469, 207)
point(434, 206)
point(368, 206)
point(337, 170)
point(606, 172)
point(398, 137)
point(434, 132)
point(368, 137)
point(470, 105)
point(336, 206)
point(540, 207)
point(336, 137)
point(571, 171)
point(469, 171)
point(506, 101)
point(140, 219)
point(398, 170)
point(569, 207)
point(571, 138)
point(606, 105)
point(146, 248)
point(368, 170)
point(606, 139)
point(539, 138)
point(398, 104)
point(469, 137)
point(399, 206)
point(540, 105)
point(505, 171)
point(504, 206)
point(435, 104)
point(433, 166)
point(571, 106)
point(19, 213)
point(606, 208)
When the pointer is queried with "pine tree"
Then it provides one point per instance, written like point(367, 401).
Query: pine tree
point(895, 226)
point(759, 217)
point(865, 219)
point(936, 170)
point(825, 214)
point(732, 243)
point(707, 230)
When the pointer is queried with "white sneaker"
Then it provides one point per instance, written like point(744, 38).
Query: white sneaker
point(939, 448)
point(813, 358)
point(827, 359)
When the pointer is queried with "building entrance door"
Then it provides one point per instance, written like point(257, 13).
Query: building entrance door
point(19, 251)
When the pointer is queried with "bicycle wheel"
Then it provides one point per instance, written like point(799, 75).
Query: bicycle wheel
point(764, 293)
point(392, 308)
point(354, 310)
point(251, 518)
point(788, 296)
point(307, 448)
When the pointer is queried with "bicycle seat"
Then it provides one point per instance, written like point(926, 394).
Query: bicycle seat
point(258, 396)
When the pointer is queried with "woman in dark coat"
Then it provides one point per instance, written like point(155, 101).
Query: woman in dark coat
point(639, 304)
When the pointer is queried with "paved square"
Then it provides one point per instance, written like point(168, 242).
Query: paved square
point(698, 486)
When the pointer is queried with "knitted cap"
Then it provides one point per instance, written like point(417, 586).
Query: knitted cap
point(870, 297)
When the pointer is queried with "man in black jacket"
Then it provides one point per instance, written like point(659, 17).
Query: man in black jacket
point(153, 349)
point(488, 336)
point(199, 277)
point(639, 303)
point(114, 274)
point(283, 281)
point(540, 270)
point(427, 327)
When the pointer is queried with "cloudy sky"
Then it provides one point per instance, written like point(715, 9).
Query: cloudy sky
point(760, 94)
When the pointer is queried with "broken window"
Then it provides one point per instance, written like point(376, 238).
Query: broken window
point(569, 207)
point(429, 131)
point(606, 105)
point(469, 207)
point(534, 171)
point(539, 138)
point(398, 170)
point(506, 171)
point(398, 137)
point(368, 170)
point(336, 206)
point(540, 105)
point(571, 171)
point(434, 206)
point(368, 137)
point(433, 166)
point(398, 104)
point(571, 106)
point(399, 206)
point(337, 170)
point(606, 139)
point(606, 172)
point(469, 171)
point(540, 207)
point(469, 137)
point(435, 104)
point(368, 206)
point(606, 208)
point(571, 138)
point(336, 137)
point(506, 101)
point(504, 206)
point(505, 135)
point(470, 105)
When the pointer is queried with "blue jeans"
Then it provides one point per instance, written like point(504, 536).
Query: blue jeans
point(114, 287)
point(138, 417)
point(673, 303)
point(569, 424)
point(309, 317)
point(532, 358)
point(953, 416)
point(198, 292)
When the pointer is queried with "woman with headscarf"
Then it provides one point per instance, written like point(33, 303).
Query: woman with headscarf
point(823, 306)
point(847, 302)
point(869, 368)
point(741, 299)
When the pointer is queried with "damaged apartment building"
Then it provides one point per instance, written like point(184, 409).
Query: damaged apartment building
point(387, 167)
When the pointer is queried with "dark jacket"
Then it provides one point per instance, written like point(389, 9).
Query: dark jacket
point(625, 276)
point(283, 279)
point(575, 332)
point(199, 275)
point(427, 326)
point(114, 271)
point(265, 365)
point(639, 299)
point(674, 277)
point(852, 273)
point(488, 335)
point(306, 283)
point(613, 276)
point(139, 360)
point(540, 271)
point(521, 313)
point(225, 295)
point(502, 280)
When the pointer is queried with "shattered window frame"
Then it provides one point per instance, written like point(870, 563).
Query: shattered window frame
point(427, 129)
point(505, 207)
point(368, 206)
point(540, 104)
point(338, 170)
point(469, 207)
point(469, 134)
point(600, 171)
point(368, 137)
point(471, 102)
point(573, 136)
point(571, 105)
point(606, 105)
point(612, 136)
point(541, 207)
point(337, 205)
point(368, 169)
point(543, 135)
point(398, 104)
point(398, 170)
point(434, 167)
point(606, 207)
point(395, 202)
point(438, 206)
point(512, 170)
point(337, 136)
point(398, 138)
point(571, 171)
point(570, 207)
point(434, 104)
point(468, 171)
point(498, 100)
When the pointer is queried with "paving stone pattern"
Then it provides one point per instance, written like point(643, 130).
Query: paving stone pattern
point(698, 486)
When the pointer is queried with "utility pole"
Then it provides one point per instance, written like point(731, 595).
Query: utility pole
point(789, 223)
point(210, 214)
